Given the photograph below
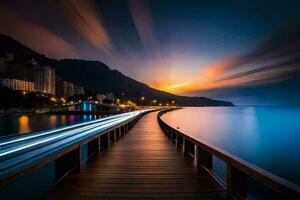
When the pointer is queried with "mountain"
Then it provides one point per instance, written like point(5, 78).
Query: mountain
point(9, 45)
point(98, 77)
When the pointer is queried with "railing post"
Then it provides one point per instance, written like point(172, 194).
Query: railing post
point(99, 144)
point(236, 183)
point(108, 139)
point(120, 131)
point(115, 135)
point(183, 145)
point(177, 141)
point(203, 158)
point(77, 159)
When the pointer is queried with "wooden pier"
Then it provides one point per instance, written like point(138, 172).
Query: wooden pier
point(142, 165)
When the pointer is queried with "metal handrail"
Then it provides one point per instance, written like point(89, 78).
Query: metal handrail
point(241, 167)
point(20, 154)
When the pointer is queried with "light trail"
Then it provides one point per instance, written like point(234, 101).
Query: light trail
point(43, 133)
point(75, 134)
point(51, 137)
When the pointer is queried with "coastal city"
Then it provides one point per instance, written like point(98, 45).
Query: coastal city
point(30, 78)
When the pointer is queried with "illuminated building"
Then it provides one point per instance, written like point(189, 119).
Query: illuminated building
point(70, 89)
point(16, 84)
point(67, 89)
point(110, 96)
point(100, 98)
point(61, 88)
point(44, 79)
point(86, 106)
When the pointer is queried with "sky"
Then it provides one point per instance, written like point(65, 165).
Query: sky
point(185, 47)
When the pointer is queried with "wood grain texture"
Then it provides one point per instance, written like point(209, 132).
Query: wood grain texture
point(141, 165)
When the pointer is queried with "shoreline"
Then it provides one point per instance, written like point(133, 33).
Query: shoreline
point(37, 111)
point(61, 113)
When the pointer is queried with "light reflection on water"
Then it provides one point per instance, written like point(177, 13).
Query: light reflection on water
point(21, 124)
point(265, 136)
point(24, 124)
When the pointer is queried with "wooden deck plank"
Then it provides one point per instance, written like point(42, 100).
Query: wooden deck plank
point(142, 165)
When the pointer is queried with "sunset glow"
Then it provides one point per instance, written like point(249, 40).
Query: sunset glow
point(158, 43)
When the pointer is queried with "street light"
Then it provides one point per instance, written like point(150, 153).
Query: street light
point(142, 99)
point(153, 102)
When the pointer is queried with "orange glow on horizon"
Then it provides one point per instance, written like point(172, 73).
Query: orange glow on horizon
point(206, 79)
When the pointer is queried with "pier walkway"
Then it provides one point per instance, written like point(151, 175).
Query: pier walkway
point(143, 164)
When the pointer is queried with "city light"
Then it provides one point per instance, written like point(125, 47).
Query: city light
point(62, 100)
point(53, 99)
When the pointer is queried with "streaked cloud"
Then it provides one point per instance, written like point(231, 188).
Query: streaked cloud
point(85, 18)
point(265, 69)
point(34, 36)
point(143, 20)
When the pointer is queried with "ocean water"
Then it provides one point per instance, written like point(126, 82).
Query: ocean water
point(22, 124)
point(268, 137)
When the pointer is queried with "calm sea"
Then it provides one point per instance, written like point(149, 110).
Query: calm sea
point(268, 137)
point(21, 124)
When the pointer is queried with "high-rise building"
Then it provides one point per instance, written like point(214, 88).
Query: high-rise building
point(67, 89)
point(78, 90)
point(110, 96)
point(100, 98)
point(44, 79)
point(16, 84)
point(61, 88)
point(70, 89)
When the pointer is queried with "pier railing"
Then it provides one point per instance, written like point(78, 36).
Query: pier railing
point(21, 155)
point(237, 169)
